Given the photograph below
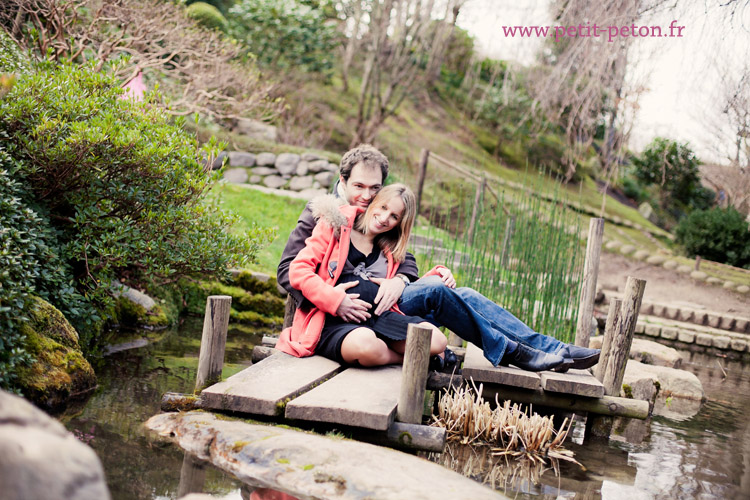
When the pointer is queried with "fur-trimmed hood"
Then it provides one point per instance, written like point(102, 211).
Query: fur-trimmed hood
point(333, 211)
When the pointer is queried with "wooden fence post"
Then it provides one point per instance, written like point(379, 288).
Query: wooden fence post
point(477, 202)
point(421, 175)
point(454, 340)
point(590, 273)
point(510, 227)
point(609, 332)
point(414, 377)
point(213, 341)
point(290, 307)
point(624, 328)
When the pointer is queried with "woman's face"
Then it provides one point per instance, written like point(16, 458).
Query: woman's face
point(385, 215)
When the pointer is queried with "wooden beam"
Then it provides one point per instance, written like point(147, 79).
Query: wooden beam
point(414, 378)
point(574, 382)
point(265, 387)
point(359, 397)
point(590, 273)
point(479, 369)
point(407, 437)
point(213, 341)
point(606, 405)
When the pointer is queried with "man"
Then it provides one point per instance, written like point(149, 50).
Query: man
point(503, 337)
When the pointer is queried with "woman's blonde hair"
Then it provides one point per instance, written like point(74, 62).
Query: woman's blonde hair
point(396, 239)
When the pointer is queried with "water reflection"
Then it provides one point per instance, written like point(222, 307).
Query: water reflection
point(131, 383)
point(705, 455)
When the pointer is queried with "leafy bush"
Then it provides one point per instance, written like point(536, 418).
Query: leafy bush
point(207, 15)
point(285, 34)
point(719, 234)
point(672, 169)
point(29, 264)
point(123, 187)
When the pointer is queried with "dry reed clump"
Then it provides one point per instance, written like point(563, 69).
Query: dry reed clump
point(509, 430)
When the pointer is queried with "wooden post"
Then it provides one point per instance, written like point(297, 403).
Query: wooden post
point(590, 273)
point(290, 307)
point(475, 209)
point(624, 328)
point(697, 262)
point(454, 340)
point(510, 227)
point(414, 376)
point(421, 175)
point(192, 475)
point(609, 333)
point(213, 341)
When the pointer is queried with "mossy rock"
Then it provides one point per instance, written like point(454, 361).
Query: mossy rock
point(248, 281)
point(267, 307)
point(129, 313)
point(59, 370)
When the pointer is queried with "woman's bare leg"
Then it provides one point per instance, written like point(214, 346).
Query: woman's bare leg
point(364, 347)
point(438, 341)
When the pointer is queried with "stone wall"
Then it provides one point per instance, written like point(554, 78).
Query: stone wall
point(308, 173)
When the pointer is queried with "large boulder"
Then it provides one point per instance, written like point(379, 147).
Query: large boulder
point(241, 159)
point(647, 352)
point(59, 370)
point(311, 465)
point(40, 459)
point(670, 381)
point(135, 308)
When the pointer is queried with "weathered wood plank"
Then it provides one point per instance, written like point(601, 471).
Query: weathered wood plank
point(414, 374)
point(264, 387)
point(606, 405)
point(577, 382)
point(477, 367)
point(360, 397)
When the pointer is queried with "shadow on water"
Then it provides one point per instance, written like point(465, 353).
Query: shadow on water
point(705, 455)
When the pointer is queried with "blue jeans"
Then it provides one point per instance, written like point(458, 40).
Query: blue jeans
point(471, 316)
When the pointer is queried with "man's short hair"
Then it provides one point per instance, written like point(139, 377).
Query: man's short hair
point(365, 154)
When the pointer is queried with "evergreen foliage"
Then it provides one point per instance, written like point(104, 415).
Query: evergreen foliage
point(718, 234)
point(207, 15)
point(96, 187)
point(285, 34)
point(670, 168)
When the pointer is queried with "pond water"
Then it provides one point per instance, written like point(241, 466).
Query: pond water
point(704, 455)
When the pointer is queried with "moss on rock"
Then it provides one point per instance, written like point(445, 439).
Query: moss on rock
point(59, 370)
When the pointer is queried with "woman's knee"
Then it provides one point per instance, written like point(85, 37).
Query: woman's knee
point(438, 341)
point(363, 346)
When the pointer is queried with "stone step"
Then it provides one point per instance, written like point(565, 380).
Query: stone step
point(690, 333)
point(694, 315)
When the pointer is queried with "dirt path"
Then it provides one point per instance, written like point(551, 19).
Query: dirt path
point(671, 287)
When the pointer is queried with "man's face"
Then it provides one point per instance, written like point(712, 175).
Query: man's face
point(362, 186)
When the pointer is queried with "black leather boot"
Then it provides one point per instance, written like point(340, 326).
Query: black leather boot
point(579, 357)
point(533, 360)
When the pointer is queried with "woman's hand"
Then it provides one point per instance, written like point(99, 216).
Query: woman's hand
point(447, 276)
point(388, 294)
point(352, 309)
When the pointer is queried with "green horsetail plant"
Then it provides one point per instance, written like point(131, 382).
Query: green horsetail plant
point(536, 276)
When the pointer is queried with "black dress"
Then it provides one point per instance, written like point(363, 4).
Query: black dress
point(389, 326)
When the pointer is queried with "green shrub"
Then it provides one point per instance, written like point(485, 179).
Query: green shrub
point(285, 34)
point(671, 168)
point(122, 186)
point(207, 15)
point(29, 264)
point(718, 234)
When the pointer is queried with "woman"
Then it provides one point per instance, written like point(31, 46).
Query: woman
point(350, 247)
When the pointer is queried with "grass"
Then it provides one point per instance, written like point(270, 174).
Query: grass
point(264, 210)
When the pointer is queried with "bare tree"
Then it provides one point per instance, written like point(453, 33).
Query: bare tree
point(397, 43)
point(199, 68)
point(582, 81)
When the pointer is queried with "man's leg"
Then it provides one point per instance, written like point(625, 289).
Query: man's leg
point(473, 317)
